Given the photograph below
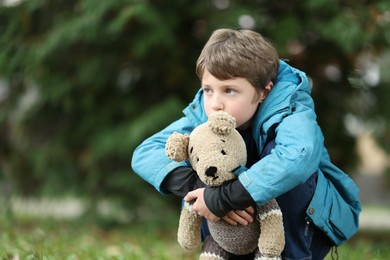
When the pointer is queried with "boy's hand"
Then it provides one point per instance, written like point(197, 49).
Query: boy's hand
point(242, 217)
point(199, 205)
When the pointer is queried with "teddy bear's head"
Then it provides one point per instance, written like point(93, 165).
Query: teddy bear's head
point(214, 149)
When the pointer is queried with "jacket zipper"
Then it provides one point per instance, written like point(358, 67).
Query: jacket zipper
point(307, 226)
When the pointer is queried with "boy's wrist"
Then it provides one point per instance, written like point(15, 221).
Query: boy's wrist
point(230, 196)
point(213, 201)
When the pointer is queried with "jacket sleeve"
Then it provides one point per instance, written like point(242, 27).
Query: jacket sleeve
point(229, 196)
point(296, 156)
point(149, 160)
point(181, 181)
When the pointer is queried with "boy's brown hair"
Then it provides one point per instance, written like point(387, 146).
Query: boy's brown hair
point(239, 53)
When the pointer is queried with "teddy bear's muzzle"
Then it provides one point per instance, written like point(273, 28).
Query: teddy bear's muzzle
point(211, 171)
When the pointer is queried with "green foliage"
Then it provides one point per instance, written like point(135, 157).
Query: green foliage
point(83, 82)
point(74, 109)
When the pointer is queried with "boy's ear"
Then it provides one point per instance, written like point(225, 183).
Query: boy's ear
point(264, 93)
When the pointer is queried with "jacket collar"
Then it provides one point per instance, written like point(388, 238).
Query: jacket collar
point(194, 111)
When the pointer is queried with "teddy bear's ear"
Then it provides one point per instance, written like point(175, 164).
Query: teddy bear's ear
point(177, 147)
point(221, 123)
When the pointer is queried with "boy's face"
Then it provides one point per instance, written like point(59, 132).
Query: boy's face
point(235, 96)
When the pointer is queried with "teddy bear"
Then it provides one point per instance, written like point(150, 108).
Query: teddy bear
point(215, 149)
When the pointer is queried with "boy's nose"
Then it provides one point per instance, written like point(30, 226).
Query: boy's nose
point(217, 105)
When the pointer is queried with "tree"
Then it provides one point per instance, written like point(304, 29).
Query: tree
point(83, 82)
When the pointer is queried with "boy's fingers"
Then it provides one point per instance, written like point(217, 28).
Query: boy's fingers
point(229, 220)
point(245, 216)
point(190, 196)
point(236, 218)
point(250, 210)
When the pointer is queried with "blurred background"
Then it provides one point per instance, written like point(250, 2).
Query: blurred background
point(83, 82)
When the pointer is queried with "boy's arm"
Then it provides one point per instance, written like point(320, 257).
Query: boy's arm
point(181, 181)
point(230, 196)
point(296, 156)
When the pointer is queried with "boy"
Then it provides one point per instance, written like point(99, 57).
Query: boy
point(241, 74)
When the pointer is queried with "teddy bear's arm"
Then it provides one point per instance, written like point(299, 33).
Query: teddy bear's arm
point(271, 241)
point(189, 233)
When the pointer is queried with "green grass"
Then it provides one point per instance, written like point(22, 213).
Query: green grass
point(44, 238)
point(362, 249)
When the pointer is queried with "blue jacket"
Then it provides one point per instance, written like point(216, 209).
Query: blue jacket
point(299, 152)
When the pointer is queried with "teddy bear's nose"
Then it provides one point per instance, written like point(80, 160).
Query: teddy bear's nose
point(211, 171)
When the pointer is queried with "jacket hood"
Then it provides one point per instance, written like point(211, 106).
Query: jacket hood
point(281, 99)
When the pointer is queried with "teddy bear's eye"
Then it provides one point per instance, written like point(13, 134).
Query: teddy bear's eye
point(197, 159)
point(223, 140)
point(223, 152)
point(191, 149)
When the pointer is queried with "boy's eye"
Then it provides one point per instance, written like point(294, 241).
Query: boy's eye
point(230, 91)
point(207, 90)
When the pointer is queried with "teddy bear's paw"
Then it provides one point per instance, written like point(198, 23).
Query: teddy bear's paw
point(268, 258)
point(212, 251)
point(210, 256)
point(189, 230)
point(188, 245)
point(260, 256)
